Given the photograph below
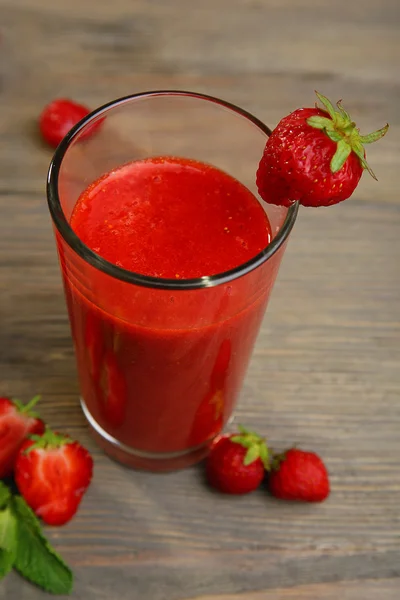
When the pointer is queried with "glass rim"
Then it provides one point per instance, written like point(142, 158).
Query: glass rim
point(95, 260)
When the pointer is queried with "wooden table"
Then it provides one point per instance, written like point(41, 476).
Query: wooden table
point(325, 372)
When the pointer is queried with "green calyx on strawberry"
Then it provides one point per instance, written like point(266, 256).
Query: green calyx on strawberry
point(314, 156)
point(27, 409)
point(47, 441)
point(342, 130)
point(255, 445)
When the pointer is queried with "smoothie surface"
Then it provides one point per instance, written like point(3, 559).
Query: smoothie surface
point(171, 217)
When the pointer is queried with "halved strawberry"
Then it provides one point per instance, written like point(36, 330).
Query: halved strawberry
point(52, 472)
point(17, 421)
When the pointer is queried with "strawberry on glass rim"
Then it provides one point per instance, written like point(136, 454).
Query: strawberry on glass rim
point(315, 156)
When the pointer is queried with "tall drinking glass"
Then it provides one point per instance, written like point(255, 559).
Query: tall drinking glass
point(161, 361)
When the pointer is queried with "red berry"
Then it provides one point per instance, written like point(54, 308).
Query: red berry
point(58, 118)
point(300, 476)
point(17, 421)
point(52, 473)
point(314, 156)
point(237, 462)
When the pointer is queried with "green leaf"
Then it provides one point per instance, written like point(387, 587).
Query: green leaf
point(343, 112)
point(244, 441)
point(251, 455)
point(264, 455)
point(36, 560)
point(244, 430)
point(28, 408)
point(320, 122)
point(328, 105)
point(358, 148)
point(374, 136)
point(334, 135)
point(48, 439)
point(8, 541)
point(24, 511)
point(5, 494)
point(341, 155)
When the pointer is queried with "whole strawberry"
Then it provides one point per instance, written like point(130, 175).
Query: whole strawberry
point(315, 156)
point(58, 117)
point(52, 472)
point(17, 421)
point(299, 475)
point(237, 462)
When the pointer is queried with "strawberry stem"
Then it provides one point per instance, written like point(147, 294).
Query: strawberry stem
point(277, 459)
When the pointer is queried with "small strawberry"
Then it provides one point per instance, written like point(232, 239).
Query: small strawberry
point(58, 117)
point(17, 421)
point(52, 472)
point(237, 462)
point(314, 156)
point(299, 475)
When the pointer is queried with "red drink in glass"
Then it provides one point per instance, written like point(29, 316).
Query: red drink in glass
point(167, 264)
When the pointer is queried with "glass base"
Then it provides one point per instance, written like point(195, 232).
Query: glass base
point(144, 461)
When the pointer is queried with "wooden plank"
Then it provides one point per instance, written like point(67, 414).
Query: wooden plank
point(388, 589)
point(325, 372)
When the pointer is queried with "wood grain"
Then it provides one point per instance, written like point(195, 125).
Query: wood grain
point(325, 372)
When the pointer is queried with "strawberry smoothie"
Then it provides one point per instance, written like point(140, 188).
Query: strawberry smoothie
point(160, 371)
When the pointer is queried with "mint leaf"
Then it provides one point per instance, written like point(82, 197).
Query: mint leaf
point(24, 511)
point(5, 494)
point(8, 541)
point(35, 559)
